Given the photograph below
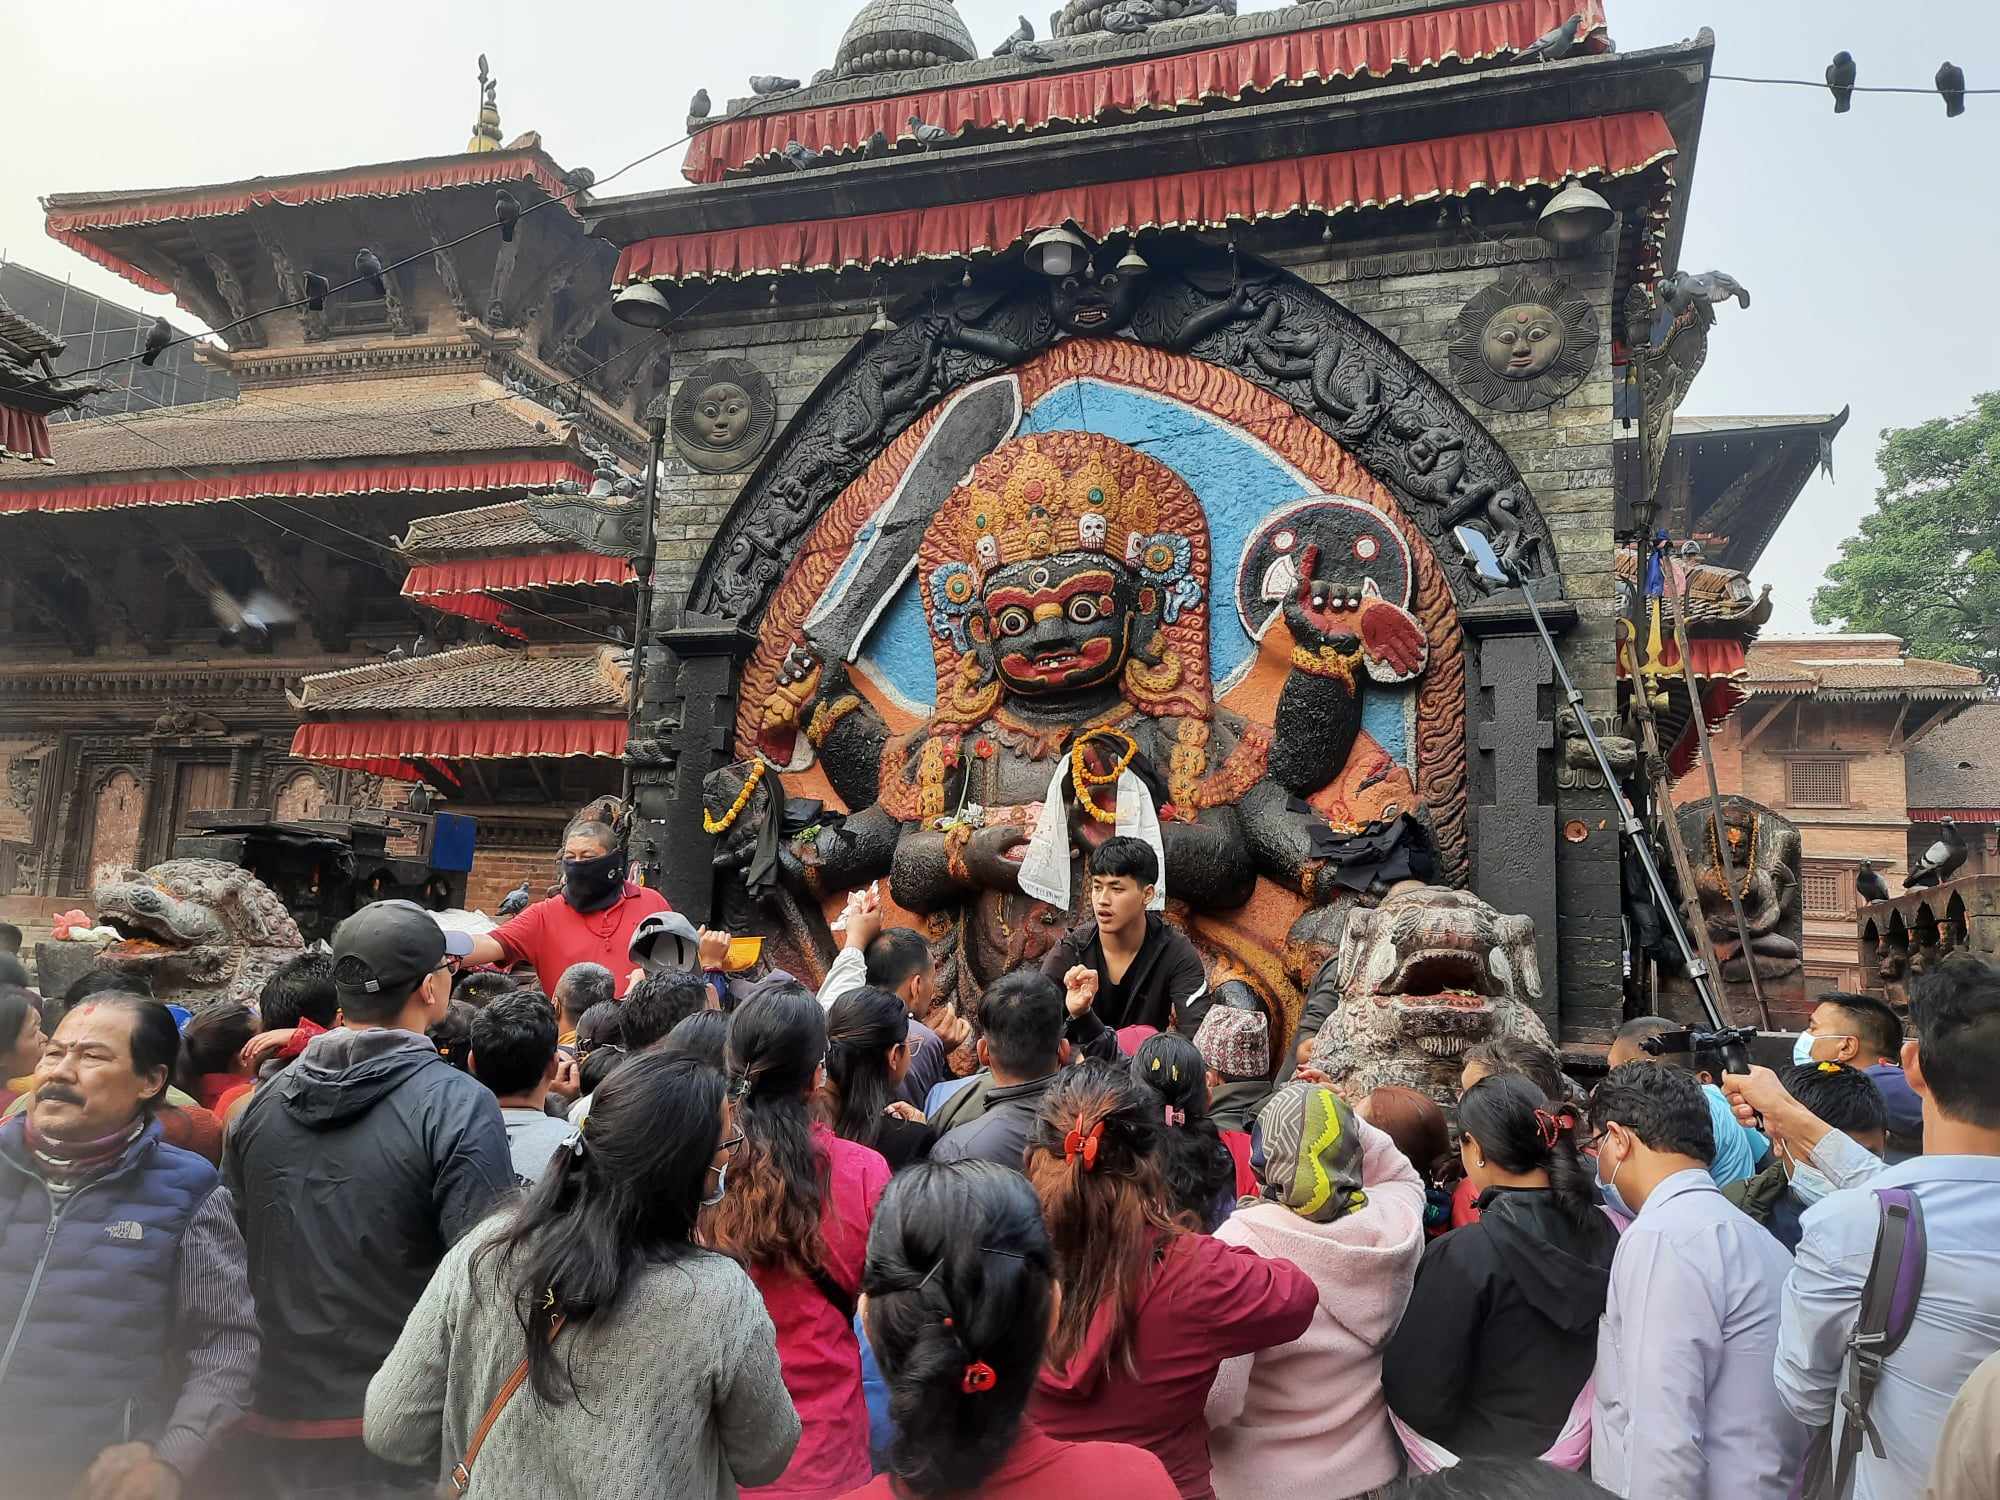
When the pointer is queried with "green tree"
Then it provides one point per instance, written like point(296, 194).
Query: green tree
point(1926, 562)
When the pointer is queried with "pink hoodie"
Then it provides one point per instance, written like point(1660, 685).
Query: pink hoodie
point(1308, 1418)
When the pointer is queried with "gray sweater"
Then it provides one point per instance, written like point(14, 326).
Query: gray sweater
point(682, 1391)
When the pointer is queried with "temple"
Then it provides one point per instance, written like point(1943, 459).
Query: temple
point(182, 579)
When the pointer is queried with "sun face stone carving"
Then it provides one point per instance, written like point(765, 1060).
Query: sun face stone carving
point(1523, 343)
point(724, 413)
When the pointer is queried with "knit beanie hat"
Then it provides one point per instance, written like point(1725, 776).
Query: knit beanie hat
point(1236, 1043)
point(1306, 1151)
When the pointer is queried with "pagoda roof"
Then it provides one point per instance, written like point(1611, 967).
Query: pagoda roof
point(506, 528)
point(1836, 679)
point(526, 679)
point(108, 226)
point(1955, 767)
point(1731, 481)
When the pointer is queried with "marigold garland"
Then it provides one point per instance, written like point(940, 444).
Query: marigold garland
point(724, 823)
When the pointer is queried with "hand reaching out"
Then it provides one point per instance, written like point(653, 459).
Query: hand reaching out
point(714, 947)
point(1080, 989)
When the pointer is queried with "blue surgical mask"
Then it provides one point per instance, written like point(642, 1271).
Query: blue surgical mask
point(1613, 1199)
point(1802, 1049)
point(1810, 1183)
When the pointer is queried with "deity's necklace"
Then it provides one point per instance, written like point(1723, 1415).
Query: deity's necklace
point(723, 823)
point(1084, 778)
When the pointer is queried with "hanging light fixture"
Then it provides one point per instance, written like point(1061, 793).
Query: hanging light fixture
point(1575, 216)
point(883, 322)
point(1132, 263)
point(1056, 252)
point(641, 305)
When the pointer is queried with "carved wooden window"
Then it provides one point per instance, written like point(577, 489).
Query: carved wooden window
point(1825, 891)
point(114, 834)
point(302, 796)
point(1816, 783)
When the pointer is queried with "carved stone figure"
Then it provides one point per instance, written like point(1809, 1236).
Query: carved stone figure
point(206, 931)
point(178, 721)
point(723, 415)
point(1764, 850)
point(1523, 343)
point(1422, 977)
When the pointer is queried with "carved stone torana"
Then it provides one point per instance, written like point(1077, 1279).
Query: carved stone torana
point(1422, 977)
point(723, 415)
point(205, 932)
point(1523, 343)
point(1276, 331)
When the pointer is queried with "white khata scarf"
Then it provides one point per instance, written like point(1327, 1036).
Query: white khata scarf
point(1045, 867)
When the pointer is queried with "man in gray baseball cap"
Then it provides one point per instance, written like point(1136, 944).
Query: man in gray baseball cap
point(353, 1171)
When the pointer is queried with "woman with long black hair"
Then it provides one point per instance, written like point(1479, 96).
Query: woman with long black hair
point(1494, 1355)
point(1149, 1310)
point(796, 1216)
point(584, 1284)
point(960, 1296)
point(867, 1058)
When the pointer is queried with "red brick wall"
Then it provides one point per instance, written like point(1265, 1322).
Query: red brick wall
point(495, 872)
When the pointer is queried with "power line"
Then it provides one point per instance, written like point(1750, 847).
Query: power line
point(435, 249)
point(1849, 88)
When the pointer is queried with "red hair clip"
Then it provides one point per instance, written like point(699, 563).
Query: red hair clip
point(1084, 1143)
point(978, 1378)
point(1552, 1126)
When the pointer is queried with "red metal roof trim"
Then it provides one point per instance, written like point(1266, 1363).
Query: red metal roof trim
point(1225, 73)
point(1718, 701)
point(1956, 814)
point(25, 435)
point(524, 473)
point(436, 173)
point(481, 607)
point(1611, 146)
point(370, 744)
point(500, 574)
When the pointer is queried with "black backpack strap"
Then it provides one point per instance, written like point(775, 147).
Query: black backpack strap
point(1888, 1307)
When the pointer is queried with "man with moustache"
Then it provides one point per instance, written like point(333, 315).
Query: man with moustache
point(132, 1338)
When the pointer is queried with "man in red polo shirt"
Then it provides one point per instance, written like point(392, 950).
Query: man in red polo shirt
point(591, 922)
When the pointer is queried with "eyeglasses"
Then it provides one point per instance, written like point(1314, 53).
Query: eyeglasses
point(729, 1148)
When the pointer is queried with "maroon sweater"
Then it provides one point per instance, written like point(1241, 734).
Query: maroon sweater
point(1038, 1467)
point(1206, 1302)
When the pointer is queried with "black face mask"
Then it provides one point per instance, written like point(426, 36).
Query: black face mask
point(593, 884)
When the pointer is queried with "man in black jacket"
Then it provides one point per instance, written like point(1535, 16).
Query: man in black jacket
point(353, 1171)
point(1127, 967)
point(1021, 1043)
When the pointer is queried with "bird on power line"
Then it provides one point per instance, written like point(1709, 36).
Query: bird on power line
point(1840, 76)
point(1951, 84)
point(927, 134)
point(317, 286)
point(1553, 46)
point(368, 265)
point(158, 337)
point(508, 213)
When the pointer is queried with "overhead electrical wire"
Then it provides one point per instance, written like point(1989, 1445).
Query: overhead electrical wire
point(1852, 88)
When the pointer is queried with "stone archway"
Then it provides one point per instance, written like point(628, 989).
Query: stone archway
point(1276, 331)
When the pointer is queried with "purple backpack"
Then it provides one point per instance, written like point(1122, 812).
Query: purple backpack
point(1888, 1308)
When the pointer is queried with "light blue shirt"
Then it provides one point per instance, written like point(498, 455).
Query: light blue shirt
point(1685, 1406)
point(1958, 1316)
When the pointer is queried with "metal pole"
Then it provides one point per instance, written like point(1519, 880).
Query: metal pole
point(1628, 821)
point(642, 569)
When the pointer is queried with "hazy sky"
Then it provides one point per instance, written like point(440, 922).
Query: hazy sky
point(1867, 240)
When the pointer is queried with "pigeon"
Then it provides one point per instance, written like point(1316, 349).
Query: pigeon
point(1868, 885)
point(248, 621)
point(1951, 83)
point(1024, 32)
point(927, 134)
point(508, 212)
point(876, 147)
point(799, 159)
point(517, 900)
point(580, 179)
point(423, 646)
point(1129, 17)
point(157, 338)
point(394, 653)
point(770, 83)
point(699, 106)
point(317, 286)
point(1679, 291)
point(1840, 74)
point(1553, 46)
point(1941, 860)
point(369, 266)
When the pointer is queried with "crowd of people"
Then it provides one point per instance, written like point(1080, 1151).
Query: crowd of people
point(623, 1223)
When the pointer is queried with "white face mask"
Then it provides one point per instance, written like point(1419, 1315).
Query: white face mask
point(721, 1186)
point(1809, 1183)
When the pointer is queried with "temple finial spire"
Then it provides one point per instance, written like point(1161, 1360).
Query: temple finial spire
point(486, 128)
